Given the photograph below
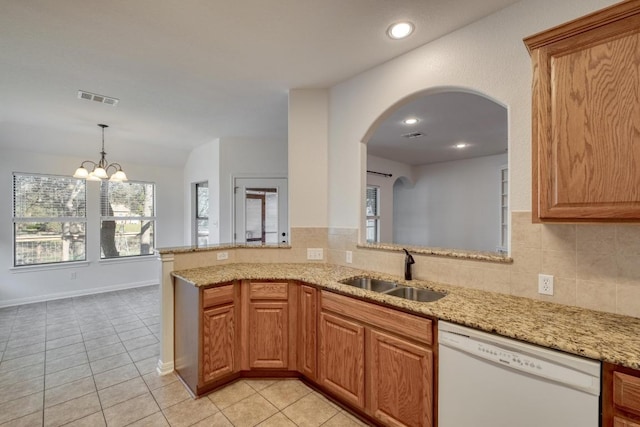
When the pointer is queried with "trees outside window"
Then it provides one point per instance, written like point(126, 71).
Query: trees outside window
point(127, 223)
point(49, 219)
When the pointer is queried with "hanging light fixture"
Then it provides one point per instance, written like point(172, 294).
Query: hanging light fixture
point(100, 169)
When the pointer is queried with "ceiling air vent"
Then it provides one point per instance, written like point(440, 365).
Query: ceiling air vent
point(413, 135)
point(98, 98)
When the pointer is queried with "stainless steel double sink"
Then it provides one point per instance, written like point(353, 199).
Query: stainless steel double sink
point(394, 289)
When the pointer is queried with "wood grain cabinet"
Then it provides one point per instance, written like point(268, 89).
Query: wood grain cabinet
point(308, 331)
point(586, 118)
point(377, 359)
point(207, 336)
point(620, 396)
point(266, 313)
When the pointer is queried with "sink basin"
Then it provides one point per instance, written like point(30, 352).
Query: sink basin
point(416, 294)
point(369, 284)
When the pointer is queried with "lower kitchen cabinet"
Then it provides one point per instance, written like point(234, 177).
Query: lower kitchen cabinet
point(307, 345)
point(400, 377)
point(269, 332)
point(342, 356)
point(377, 359)
point(268, 335)
point(620, 396)
point(218, 342)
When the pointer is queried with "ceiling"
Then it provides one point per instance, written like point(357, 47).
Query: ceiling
point(187, 72)
point(445, 119)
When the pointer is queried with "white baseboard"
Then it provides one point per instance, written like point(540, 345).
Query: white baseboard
point(80, 292)
point(164, 368)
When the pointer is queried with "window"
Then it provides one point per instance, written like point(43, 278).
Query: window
point(202, 213)
point(49, 219)
point(127, 222)
point(504, 210)
point(373, 214)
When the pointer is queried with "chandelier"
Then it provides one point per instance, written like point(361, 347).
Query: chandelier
point(101, 168)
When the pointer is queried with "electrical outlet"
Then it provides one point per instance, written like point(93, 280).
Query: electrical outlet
point(314, 254)
point(349, 257)
point(223, 255)
point(545, 284)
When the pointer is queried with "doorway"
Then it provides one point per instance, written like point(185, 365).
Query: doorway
point(260, 211)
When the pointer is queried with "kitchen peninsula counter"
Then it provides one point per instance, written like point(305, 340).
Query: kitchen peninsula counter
point(597, 335)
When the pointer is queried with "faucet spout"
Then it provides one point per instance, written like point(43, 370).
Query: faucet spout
point(408, 260)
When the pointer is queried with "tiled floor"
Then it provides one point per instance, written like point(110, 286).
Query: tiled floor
point(90, 361)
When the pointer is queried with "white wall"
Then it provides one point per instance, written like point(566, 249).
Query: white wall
point(42, 283)
point(203, 164)
point(451, 205)
point(308, 157)
point(246, 158)
point(487, 56)
point(386, 184)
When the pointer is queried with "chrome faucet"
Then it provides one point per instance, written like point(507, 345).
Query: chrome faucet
point(408, 260)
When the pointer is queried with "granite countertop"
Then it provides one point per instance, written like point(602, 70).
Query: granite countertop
point(597, 335)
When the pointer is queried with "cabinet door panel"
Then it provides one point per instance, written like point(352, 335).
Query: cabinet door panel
point(269, 335)
point(218, 343)
point(400, 381)
point(308, 331)
point(621, 422)
point(585, 118)
point(342, 358)
point(626, 392)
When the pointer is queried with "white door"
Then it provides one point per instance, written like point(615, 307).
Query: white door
point(260, 211)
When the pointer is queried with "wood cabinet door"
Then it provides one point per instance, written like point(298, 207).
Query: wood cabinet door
point(586, 116)
point(400, 381)
point(308, 331)
point(622, 422)
point(268, 335)
point(218, 342)
point(341, 358)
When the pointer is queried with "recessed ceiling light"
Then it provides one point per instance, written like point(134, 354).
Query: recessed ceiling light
point(400, 30)
point(410, 121)
point(461, 145)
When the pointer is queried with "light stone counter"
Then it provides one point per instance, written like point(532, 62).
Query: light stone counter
point(593, 334)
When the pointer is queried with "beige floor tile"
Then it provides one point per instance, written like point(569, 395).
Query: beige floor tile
point(65, 362)
point(231, 394)
point(170, 394)
point(154, 420)
point(146, 366)
point(20, 407)
point(21, 389)
point(23, 351)
point(250, 411)
point(122, 392)
point(111, 362)
point(130, 411)
point(285, 392)
point(311, 410)
point(93, 420)
point(115, 376)
point(67, 376)
point(342, 419)
point(141, 353)
point(106, 351)
point(155, 380)
point(277, 420)
point(71, 410)
point(19, 375)
point(21, 362)
point(69, 391)
point(216, 420)
point(189, 412)
point(258, 384)
point(65, 351)
point(31, 420)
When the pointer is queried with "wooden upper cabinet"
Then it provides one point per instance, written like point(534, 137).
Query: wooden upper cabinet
point(586, 118)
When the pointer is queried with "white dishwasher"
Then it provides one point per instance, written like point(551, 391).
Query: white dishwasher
point(487, 380)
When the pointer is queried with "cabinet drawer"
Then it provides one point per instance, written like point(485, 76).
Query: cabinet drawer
point(269, 290)
point(216, 296)
point(407, 325)
point(626, 392)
